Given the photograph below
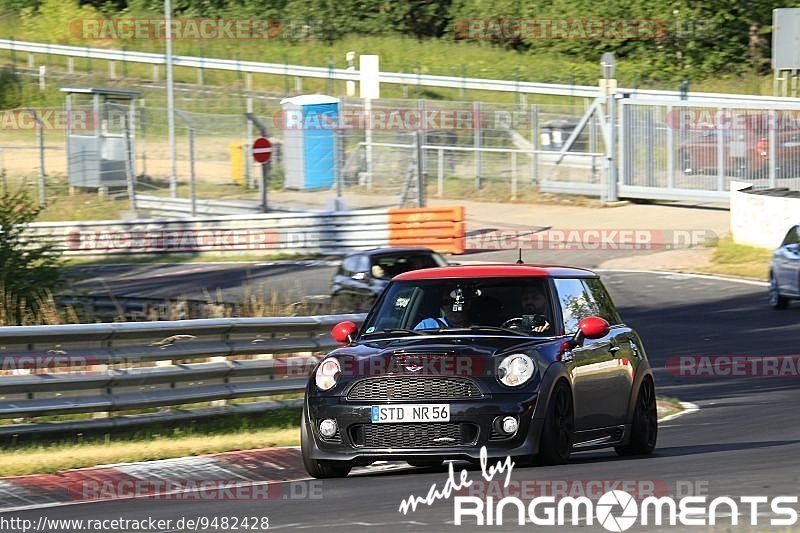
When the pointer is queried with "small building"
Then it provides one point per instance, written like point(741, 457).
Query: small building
point(101, 139)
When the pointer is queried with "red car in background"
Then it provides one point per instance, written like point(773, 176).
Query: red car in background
point(745, 146)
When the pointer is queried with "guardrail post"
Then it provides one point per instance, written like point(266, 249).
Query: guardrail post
point(611, 149)
point(476, 120)
point(420, 169)
point(42, 77)
point(192, 176)
point(513, 175)
point(31, 62)
point(440, 172)
point(650, 132)
point(40, 142)
point(368, 140)
point(112, 70)
point(535, 143)
point(720, 150)
point(70, 65)
point(670, 150)
point(248, 160)
point(772, 147)
point(129, 170)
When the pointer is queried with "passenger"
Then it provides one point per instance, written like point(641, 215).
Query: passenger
point(454, 308)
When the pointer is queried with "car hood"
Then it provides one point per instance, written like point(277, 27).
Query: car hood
point(464, 355)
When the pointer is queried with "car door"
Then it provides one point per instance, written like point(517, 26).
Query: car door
point(624, 349)
point(593, 364)
point(786, 263)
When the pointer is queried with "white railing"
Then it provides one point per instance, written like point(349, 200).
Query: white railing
point(426, 80)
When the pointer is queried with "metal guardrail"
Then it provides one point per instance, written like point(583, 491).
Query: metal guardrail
point(183, 206)
point(427, 80)
point(108, 368)
point(439, 228)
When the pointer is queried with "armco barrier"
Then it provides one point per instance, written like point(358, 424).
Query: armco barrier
point(94, 368)
point(441, 229)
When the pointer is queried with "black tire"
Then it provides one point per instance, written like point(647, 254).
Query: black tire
point(775, 299)
point(314, 467)
point(426, 463)
point(644, 430)
point(558, 431)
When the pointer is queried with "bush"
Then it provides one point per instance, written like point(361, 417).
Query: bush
point(29, 269)
point(10, 89)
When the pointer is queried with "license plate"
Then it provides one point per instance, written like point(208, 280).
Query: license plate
point(382, 414)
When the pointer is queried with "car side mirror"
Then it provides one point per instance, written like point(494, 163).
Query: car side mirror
point(591, 327)
point(594, 327)
point(344, 332)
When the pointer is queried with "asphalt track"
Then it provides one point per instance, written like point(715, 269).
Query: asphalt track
point(290, 279)
point(743, 441)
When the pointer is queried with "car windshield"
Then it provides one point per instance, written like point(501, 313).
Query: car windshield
point(519, 305)
point(389, 266)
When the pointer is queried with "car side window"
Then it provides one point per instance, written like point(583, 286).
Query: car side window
point(605, 305)
point(792, 237)
point(350, 264)
point(576, 303)
point(362, 264)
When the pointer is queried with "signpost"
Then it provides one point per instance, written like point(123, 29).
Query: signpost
point(262, 152)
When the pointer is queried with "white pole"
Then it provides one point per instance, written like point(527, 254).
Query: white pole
point(173, 176)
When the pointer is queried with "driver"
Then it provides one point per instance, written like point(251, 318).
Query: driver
point(454, 308)
point(535, 308)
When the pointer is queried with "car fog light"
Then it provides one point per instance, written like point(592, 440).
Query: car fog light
point(510, 424)
point(327, 428)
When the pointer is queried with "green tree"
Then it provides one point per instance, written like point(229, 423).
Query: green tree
point(10, 89)
point(29, 269)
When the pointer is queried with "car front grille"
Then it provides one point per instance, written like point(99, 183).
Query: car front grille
point(414, 388)
point(425, 435)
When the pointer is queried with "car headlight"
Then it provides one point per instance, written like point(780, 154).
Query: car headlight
point(515, 370)
point(327, 373)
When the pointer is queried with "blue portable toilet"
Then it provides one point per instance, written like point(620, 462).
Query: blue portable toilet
point(310, 122)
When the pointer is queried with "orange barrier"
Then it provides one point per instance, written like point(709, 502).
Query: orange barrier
point(440, 228)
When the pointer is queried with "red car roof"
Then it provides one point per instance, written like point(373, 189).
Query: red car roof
point(496, 271)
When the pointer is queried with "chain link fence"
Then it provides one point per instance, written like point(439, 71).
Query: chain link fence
point(383, 150)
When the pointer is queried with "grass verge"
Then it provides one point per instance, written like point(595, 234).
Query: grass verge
point(741, 260)
point(235, 432)
point(668, 406)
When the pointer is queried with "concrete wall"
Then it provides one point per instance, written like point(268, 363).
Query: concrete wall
point(760, 220)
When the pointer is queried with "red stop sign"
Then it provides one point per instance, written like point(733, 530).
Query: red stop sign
point(262, 150)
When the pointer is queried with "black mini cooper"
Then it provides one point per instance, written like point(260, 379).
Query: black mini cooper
point(526, 361)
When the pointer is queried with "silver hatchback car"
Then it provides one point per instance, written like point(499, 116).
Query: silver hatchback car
point(784, 272)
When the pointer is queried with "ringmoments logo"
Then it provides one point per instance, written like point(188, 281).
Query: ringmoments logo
point(615, 510)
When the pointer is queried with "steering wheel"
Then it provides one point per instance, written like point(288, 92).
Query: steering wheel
point(512, 323)
point(527, 323)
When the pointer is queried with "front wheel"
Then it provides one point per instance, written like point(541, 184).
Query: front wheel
point(559, 428)
point(644, 430)
point(775, 299)
point(315, 467)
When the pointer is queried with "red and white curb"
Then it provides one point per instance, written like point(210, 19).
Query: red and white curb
point(252, 474)
point(174, 479)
